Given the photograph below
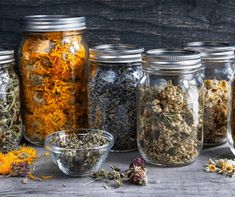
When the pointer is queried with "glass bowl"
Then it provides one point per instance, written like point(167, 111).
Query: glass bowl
point(78, 161)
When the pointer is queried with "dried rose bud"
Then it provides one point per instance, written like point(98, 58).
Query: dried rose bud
point(138, 172)
point(20, 169)
point(137, 162)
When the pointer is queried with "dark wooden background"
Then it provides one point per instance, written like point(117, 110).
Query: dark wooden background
point(148, 23)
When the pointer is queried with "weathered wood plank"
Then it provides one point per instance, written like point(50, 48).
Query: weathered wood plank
point(186, 181)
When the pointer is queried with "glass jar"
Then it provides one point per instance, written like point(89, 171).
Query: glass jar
point(10, 121)
point(112, 92)
point(170, 107)
point(217, 60)
point(53, 75)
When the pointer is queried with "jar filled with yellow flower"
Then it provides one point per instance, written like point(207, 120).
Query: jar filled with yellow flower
point(53, 74)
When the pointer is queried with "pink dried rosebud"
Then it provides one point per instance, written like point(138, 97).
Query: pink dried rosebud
point(138, 172)
point(20, 169)
point(137, 162)
point(138, 175)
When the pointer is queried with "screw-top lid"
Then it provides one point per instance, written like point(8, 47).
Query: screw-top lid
point(116, 53)
point(171, 60)
point(6, 56)
point(52, 23)
point(214, 51)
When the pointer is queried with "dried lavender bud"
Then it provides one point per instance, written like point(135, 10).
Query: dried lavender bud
point(20, 169)
point(112, 98)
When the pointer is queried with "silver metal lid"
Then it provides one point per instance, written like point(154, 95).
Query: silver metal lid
point(52, 23)
point(116, 53)
point(171, 60)
point(6, 56)
point(214, 51)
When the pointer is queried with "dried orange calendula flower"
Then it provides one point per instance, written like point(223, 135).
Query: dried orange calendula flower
point(25, 154)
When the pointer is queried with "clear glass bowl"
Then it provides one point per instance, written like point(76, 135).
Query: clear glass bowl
point(78, 161)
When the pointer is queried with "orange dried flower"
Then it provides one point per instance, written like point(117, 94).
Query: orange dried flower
point(53, 83)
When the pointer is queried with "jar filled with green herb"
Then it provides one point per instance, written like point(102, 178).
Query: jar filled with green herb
point(10, 121)
point(170, 107)
point(217, 61)
point(112, 92)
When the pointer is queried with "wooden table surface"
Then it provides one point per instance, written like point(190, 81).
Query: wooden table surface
point(189, 180)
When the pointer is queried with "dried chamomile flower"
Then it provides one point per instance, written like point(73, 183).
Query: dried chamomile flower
point(221, 166)
point(216, 111)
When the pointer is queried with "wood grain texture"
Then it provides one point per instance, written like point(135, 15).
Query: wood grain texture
point(149, 23)
point(185, 181)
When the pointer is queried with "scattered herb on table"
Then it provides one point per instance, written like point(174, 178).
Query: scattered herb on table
point(216, 111)
point(10, 121)
point(136, 174)
point(222, 166)
point(170, 125)
point(53, 74)
point(112, 98)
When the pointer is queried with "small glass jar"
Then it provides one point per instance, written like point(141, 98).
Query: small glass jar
point(112, 92)
point(170, 107)
point(217, 60)
point(53, 74)
point(10, 121)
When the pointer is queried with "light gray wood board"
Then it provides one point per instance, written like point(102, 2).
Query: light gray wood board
point(189, 180)
point(149, 23)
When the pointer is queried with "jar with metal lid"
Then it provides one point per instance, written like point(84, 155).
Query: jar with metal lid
point(217, 60)
point(112, 92)
point(10, 121)
point(53, 74)
point(170, 107)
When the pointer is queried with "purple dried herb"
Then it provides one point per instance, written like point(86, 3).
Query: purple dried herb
point(20, 169)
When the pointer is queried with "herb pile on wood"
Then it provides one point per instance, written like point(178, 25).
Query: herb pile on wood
point(136, 174)
point(224, 167)
point(54, 94)
point(216, 111)
point(10, 121)
point(170, 124)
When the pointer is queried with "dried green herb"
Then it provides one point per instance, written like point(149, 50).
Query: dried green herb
point(222, 166)
point(170, 120)
point(10, 121)
point(79, 158)
point(216, 111)
point(136, 174)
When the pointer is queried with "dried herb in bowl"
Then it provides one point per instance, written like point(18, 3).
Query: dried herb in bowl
point(79, 153)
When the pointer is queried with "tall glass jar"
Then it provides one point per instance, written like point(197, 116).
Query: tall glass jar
point(217, 60)
point(170, 107)
point(53, 74)
point(112, 92)
point(10, 121)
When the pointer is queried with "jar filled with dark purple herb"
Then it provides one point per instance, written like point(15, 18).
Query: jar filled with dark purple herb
point(112, 92)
